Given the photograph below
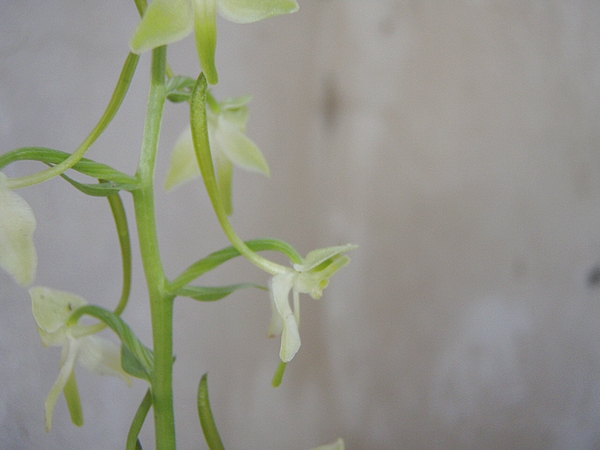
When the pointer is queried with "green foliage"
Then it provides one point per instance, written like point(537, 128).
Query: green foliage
point(207, 421)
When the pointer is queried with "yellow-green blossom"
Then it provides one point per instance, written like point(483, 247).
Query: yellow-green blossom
point(229, 144)
point(17, 224)
point(168, 21)
point(51, 309)
point(310, 277)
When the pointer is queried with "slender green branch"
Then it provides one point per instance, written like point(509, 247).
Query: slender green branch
point(217, 258)
point(118, 211)
point(138, 421)
point(207, 421)
point(113, 106)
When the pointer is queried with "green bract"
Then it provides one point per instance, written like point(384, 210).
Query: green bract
point(310, 277)
point(168, 21)
point(51, 309)
point(17, 224)
point(229, 145)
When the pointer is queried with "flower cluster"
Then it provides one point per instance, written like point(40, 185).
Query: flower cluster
point(51, 310)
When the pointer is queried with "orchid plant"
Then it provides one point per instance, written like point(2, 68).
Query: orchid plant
point(212, 144)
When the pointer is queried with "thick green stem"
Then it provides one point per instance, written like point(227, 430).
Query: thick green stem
point(161, 303)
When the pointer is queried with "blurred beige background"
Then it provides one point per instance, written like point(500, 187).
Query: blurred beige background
point(455, 141)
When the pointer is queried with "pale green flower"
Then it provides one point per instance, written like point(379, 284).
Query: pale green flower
point(17, 224)
point(310, 277)
point(51, 309)
point(229, 145)
point(337, 445)
point(168, 21)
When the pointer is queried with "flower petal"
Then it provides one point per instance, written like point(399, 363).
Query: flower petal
point(235, 102)
point(205, 29)
point(183, 165)
point(319, 256)
point(165, 22)
point(246, 11)
point(238, 148)
point(236, 116)
point(275, 325)
point(101, 357)
point(71, 349)
point(17, 224)
point(51, 308)
point(290, 337)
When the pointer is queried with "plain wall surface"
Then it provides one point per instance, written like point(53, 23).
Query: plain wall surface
point(455, 141)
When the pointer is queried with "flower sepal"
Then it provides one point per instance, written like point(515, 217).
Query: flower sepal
point(17, 225)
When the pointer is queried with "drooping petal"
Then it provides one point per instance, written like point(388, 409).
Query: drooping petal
point(17, 224)
point(238, 148)
point(101, 357)
point(246, 11)
point(183, 165)
point(68, 363)
point(205, 30)
point(51, 308)
point(275, 325)
point(164, 22)
point(290, 337)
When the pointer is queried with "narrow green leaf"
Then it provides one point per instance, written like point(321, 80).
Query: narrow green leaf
point(84, 165)
point(207, 422)
point(140, 352)
point(102, 189)
point(211, 293)
point(133, 443)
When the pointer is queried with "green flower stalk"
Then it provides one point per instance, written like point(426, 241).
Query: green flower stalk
point(51, 310)
point(168, 21)
point(17, 224)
